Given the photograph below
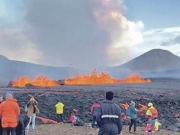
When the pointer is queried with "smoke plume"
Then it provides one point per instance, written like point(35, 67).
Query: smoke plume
point(80, 33)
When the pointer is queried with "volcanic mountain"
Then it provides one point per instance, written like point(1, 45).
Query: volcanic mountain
point(11, 69)
point(156, 61)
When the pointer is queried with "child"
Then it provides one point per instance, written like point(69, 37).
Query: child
point(72, 118)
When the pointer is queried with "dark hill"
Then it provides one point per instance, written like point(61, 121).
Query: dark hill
point(154, 63)
point(153, 60)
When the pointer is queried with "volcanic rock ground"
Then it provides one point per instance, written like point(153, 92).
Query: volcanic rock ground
point(164, 93)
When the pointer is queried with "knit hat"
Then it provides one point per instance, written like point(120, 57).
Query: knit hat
point(109, 95)
point(8, 95)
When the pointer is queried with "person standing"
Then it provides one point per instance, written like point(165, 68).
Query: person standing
point(133, 115)
point(151, 115)
point(95, 110)
point(32, 110)
point(23, 121)
point(59, 111)
point(109, 121)
point(9, 110)
point(22, 124)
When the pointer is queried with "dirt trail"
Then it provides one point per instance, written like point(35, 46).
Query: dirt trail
point(67, 129)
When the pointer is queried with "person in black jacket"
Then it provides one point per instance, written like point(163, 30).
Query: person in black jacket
point(22, 124)
point(109, 121)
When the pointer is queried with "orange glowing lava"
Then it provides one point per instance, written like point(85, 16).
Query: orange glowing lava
point(40, 81)
point(103, 78)
point(136, 78)
point(94, 78)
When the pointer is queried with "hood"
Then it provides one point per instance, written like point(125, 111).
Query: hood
point(108, 101)
point(9, 95)
point(11, 100)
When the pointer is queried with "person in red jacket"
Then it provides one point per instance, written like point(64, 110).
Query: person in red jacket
point(95, 110)
point(72, 118)
point(10, 110)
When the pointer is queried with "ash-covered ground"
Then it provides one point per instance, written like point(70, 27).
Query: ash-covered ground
point(163, 92)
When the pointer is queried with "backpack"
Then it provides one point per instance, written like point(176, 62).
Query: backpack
point(128, 111)
point(154, 112)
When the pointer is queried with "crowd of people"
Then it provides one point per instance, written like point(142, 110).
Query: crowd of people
point(12, 119)
point(106, 116)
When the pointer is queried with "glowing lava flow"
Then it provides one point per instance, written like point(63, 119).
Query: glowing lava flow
point(40, 81)
point(103, 78)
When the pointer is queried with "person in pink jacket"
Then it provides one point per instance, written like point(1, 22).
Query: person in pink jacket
point(95, 110)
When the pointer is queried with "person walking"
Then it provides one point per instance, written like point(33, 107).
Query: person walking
point(110, 119)
point(32, 111)
point(95, 111)
point(133, 116)
point(9, 110)
point(59, 112)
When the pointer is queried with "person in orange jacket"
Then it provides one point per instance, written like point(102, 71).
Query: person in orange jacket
point(9, 110)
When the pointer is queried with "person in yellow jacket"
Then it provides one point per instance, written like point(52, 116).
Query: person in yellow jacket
point(152, 115)
point(59, 111)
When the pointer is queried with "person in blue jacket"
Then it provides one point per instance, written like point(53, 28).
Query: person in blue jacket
point(133, 115)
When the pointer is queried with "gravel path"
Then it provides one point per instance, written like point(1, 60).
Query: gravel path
point(67, 129)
